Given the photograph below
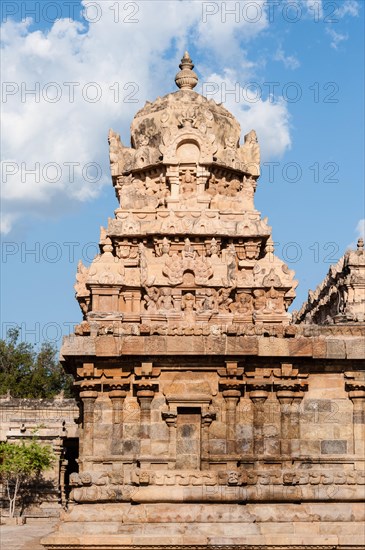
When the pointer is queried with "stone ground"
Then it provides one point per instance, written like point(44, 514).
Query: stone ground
point(25, 537)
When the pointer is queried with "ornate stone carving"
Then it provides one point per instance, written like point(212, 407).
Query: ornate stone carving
point(106, 269)
point(224, 300)
point(243, 304)
point(143, 264)
point(340, 298)
point(151, 299)
point(165, 301)
point(174, 269)
point(231, 259)
point(186, 79)
point(120, 156)
point(177, 265)
point(81, 279)
point(195, 388)
point(208, 301)
point(249, 154)
point(214, 248)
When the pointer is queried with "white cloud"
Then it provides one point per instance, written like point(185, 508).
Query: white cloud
point(336, 37)
point(360, 233)
point(318, 9)
point(360, 228)
point(348, 7)
point(64, 141)
point(343, 9)
point(290, 61)
point(6, 223)
point(269, 118)
point(224, 25)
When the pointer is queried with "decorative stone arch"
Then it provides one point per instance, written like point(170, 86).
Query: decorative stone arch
point(188, 151)
point(205, 143)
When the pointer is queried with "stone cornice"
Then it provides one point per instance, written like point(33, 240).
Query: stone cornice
point(302, 347)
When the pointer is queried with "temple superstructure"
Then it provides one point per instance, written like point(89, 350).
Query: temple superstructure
point(208, 416)
point(187, 252)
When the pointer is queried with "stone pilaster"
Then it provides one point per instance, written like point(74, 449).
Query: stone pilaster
point(145, 393)
point(289, 416)
point(63, 467)
point(117, 397)
point(170, 417)
point(231, 397)
point(207, 419)
point(258, 396)
point(88, 398)
point(357, 396)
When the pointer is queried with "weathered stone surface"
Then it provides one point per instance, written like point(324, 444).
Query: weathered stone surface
point(336, 446)
point(54, 422)
point(340, 298)
point(199, 393)
point(355, 348)
point(263, 524)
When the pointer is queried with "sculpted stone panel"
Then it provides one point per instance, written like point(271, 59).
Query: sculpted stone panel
point(217, 486)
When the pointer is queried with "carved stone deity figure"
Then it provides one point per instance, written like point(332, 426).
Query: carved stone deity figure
point(275, 301)
point(165, 247)
point(212, 188)
point(188, 251)
point(145, 154)
point(243, 304)
point(188, 305)
point(81, 278)
point(209, 301)
point(229, 154)
point(143, 265)
point(214, 248)
point(151, 299)
point(248, 191)
point(188, 183)
point(224, 300)
point(233, 187)
point(165, 301)
point(121, 157)
point(249, 154)
point(259, 299)
point(231, 264)
point(115, 147)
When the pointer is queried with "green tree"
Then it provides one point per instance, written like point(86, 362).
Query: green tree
point(19, 464)
point(24, 372)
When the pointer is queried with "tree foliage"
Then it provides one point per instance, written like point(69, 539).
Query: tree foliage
point(26, 373)
point(19, 464)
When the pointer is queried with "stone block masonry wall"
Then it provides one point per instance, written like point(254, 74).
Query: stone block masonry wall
point(52, 422)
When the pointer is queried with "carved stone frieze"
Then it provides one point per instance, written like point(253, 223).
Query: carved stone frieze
point(340, 298)
point(106, 268)
point(284, 484)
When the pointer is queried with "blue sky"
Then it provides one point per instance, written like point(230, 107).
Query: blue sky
point(292, 70)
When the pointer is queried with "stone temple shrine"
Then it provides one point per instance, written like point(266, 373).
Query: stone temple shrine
point(210, 417)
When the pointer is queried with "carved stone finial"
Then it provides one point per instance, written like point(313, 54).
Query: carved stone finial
point(186, 79)
point(360, 244)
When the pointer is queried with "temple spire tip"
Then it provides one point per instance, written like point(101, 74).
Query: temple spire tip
point(186, 78)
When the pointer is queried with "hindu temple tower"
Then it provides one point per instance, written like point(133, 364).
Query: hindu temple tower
point(209, 416)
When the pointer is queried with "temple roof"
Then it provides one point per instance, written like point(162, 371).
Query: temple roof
point(185, 108)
